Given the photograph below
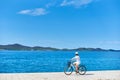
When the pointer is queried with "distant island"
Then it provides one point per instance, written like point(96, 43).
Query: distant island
point(20, 47)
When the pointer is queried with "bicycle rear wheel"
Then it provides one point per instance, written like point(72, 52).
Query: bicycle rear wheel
point(68, 70)
point(82, 69)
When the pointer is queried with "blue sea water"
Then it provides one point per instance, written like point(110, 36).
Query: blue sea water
point(55, 61)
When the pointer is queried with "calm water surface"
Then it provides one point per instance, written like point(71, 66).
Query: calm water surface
point(55, 61)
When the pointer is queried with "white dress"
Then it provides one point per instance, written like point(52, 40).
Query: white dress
point(77, 60)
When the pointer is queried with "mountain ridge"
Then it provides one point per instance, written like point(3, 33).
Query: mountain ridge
point(36, 48)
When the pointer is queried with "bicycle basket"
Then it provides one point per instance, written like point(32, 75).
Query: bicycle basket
point(69, 63)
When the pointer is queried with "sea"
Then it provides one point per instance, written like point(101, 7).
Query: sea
point(55, 61)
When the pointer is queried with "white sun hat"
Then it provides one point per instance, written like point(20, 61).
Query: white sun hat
point(76, 52)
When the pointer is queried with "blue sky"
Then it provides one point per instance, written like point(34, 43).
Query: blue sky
point(61, 23)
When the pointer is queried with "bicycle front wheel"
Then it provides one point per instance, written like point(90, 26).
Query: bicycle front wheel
point(82, 69)
point(68, 70)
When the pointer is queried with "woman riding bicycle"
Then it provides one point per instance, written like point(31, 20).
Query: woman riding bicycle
point(77, 61)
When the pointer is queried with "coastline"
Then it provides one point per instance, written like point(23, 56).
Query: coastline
point(20, 47)
point(90, 75)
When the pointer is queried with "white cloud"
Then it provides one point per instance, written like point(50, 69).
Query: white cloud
point(76, 3)
point(48, 5)
point(55, 3)
point(34, 12)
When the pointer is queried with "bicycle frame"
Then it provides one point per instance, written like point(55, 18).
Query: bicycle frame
point(73, 66)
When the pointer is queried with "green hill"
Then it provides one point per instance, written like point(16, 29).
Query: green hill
point(36, 48)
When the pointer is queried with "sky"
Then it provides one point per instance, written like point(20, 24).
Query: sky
point(61, 23)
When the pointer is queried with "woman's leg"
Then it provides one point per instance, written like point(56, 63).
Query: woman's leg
point(76, 68)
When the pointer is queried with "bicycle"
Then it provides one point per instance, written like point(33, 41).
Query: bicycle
point(70, 67)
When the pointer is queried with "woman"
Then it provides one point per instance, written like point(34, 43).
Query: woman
point(77, 61)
